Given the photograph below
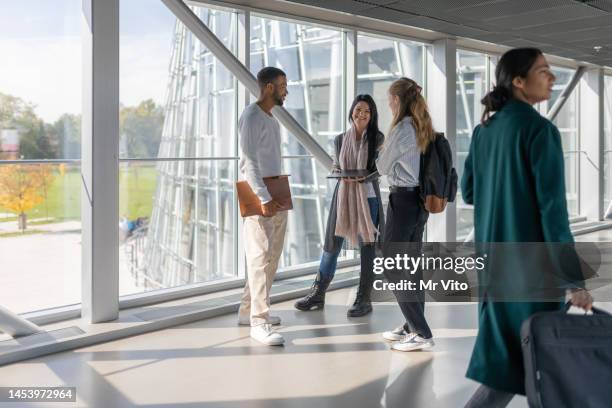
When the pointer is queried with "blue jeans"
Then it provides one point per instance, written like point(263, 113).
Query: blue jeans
point(329, 260)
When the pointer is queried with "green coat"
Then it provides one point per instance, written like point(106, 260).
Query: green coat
point(514, 176)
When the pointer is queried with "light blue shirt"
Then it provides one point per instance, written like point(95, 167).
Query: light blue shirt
point(400, 157)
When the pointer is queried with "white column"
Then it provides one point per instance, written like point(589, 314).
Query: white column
point(100, 166)
point(441, 91)
point(591, 144)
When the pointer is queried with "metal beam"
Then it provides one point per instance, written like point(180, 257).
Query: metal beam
point(15, 325)
point(554, 111)
point(233, 64)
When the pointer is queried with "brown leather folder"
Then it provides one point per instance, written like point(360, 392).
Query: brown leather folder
point(278, 187)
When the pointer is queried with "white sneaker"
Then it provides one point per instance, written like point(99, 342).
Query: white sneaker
point(264, 333)
point(395, 335)
point(246, 320)
point(413, 342)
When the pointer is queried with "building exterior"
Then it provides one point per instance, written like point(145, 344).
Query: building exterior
point(9, 144)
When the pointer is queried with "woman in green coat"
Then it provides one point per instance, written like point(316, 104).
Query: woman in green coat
point(514, 178)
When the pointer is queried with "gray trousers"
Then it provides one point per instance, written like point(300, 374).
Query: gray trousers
point(487, 397)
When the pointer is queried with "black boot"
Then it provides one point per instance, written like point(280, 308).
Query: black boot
point(363, 305)
point(315, 300)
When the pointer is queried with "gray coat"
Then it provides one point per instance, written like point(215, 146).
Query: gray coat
point(331, 241)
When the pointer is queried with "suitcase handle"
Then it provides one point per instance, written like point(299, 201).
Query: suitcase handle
point(594, 309)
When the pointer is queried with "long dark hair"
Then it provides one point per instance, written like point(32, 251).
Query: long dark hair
point(514, 63)
point(372, 130)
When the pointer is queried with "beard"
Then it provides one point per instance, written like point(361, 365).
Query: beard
point(278, 99)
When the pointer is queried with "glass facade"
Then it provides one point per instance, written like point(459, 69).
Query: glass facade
point(178, 223)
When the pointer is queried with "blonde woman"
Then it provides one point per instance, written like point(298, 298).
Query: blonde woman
point(399, 160)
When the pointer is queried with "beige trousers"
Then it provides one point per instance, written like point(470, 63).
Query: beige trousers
point(263, 244)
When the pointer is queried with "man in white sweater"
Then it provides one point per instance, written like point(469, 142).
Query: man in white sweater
point(260, 156)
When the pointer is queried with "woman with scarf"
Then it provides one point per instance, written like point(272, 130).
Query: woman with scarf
point(356, 211)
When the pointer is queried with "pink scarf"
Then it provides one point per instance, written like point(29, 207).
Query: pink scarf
point(353, 218)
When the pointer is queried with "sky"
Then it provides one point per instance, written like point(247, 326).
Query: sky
point(40, 52)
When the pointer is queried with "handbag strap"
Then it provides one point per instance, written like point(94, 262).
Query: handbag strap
point(594, 309)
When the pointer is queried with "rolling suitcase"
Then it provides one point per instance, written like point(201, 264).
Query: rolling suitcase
point(568, 359)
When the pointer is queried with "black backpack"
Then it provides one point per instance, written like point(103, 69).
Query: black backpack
point(437, 176)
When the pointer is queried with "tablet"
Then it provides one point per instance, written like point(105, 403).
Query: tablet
point(349, 173)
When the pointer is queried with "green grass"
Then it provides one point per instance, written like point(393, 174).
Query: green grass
point(63, 198)
point(137, 184)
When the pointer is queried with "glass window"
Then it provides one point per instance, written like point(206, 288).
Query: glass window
point(40, 235)
point(380, 61)
point(471, 88)
point(567, 122)
point(40, 119)
point(311, 56)
point(146, 33)
point(40, 109)
point(177, 211)
point(607, 142)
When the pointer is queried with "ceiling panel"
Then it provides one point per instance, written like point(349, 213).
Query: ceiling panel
point(446, 27)
point(576, 24)
point(507, 8)
point(440, 5)
point(570, 35)
point(522, 42)
point(596, 34)
point(348, 6)
point(387, 14)
point(379, 2)
point(567, 28)
point(556, 15)
point(599, 42)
